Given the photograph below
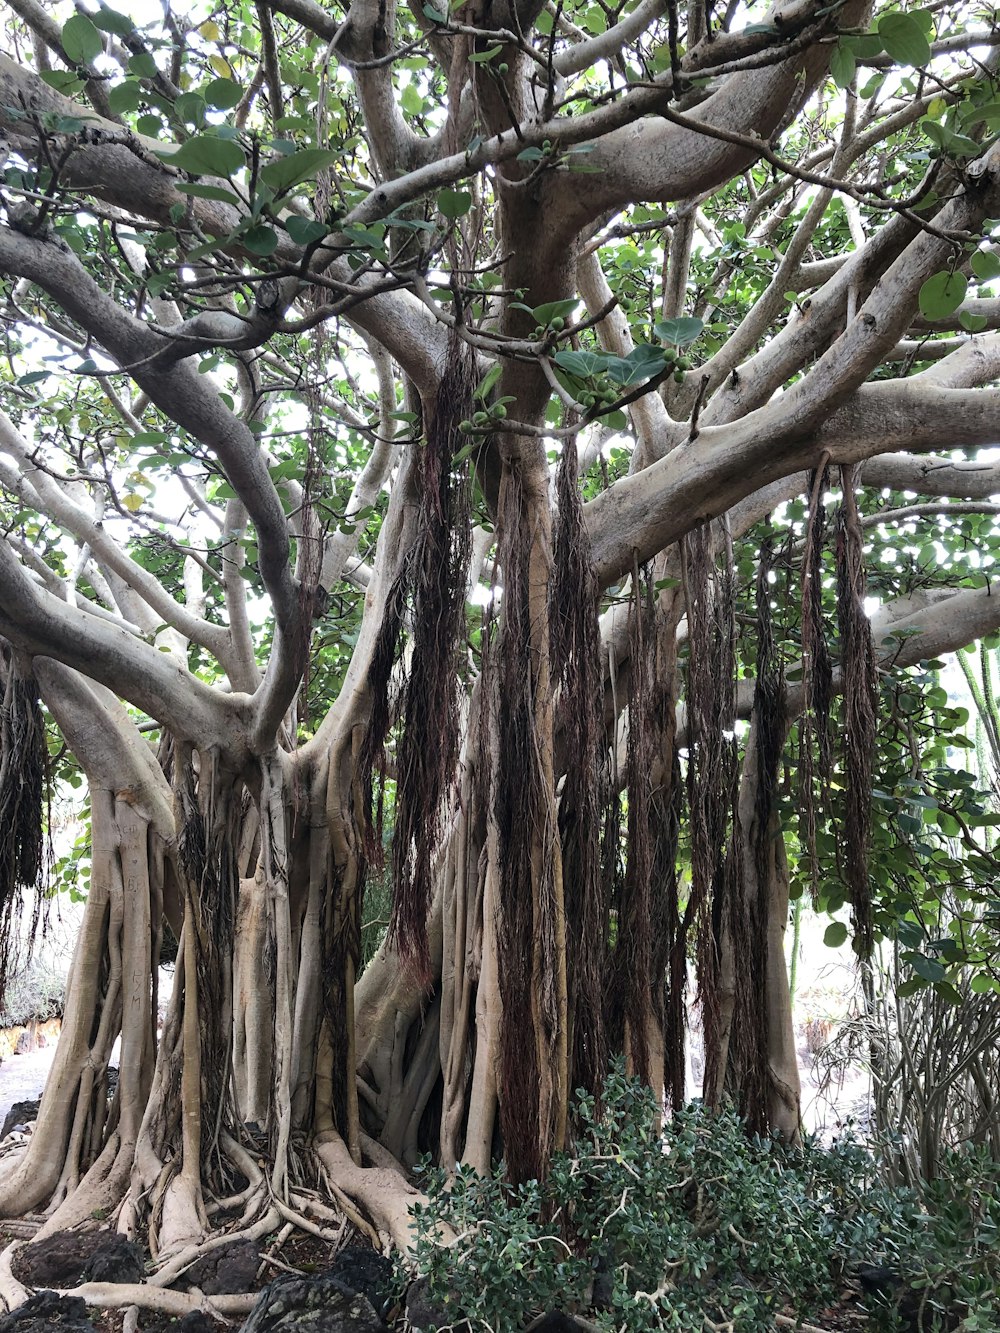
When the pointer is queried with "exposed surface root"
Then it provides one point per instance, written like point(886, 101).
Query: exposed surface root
point(117, 1295)
point(12, 1292)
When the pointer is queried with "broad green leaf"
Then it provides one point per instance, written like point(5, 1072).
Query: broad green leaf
point(454, 203)
point(190, 107)
point(305, 231)
point(63, 80)
point(641, 364)
point(904, 38)
point(207, 155)
point(681, 331)
point(928, 968)
point(149, 125)
point(124, 97)
point(941, 295)
point(581, 364)
point(287, 172)
point(110, 20)
point(835, 934)
point(80, 40)
point(411, 100)
point(986, 265)
point(481, 57)
point(142, 65)
point(972, 323)
point(260, 240)
point(842, 65)
point(486, 384)
point(549, 310)
point(223, 94)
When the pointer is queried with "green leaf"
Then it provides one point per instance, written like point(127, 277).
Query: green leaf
point(260, 240)
point(305, 231)
point(80, 40)
point(843, 65)
point(149, 125)
point(681, 331)
point(223, 94)
point(411, 100)
point(481, 57)
point(124, 97)
point(110, 20)
point(549, 310)
point(454, 203)
point(209, 192)
point(486, 384)
point(972, 323)
point(287, 172)
point(904, 39)
point(63, 80)
point(928, 968)
point(435, 15)
point(206, 155)
point(641, 364)
point(835, 934)
point(986, 265)
point(941, 295)
point(190, 107)
point(581, 364)
point(142, 65)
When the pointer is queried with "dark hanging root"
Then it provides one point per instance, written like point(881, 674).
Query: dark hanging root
point(631, 964)
point(860, 694)
point(23, 782)
point(576, 667)
point(209, 831)
point(711, 770)
point(750, 940)
point(434, 581)
point(815, 736)
point(519, 806)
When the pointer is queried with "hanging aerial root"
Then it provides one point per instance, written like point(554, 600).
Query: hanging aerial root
point(860, 700)
point(815, 740)
point(709, 594)
point(749, 924)
point(576, 662)
point(631, 990)
point(433, 580)
point(23, 770)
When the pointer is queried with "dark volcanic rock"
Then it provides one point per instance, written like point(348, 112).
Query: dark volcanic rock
point(48, 1313)
point(322, 1304)
point(227, 1270)
point(70, 1257)
point(365, 1270)
point(21, 1113)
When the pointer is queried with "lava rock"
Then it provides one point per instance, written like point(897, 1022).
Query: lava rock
point(48, 1313)
point(195, 1322)
point(227, 1270)
point(321, 1304)
point(425, 1315)
point(884, 1287)
point(21, 1113)
point(68, 1258)
point(365, 1270)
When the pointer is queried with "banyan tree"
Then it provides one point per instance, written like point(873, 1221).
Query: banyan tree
point(444, 448)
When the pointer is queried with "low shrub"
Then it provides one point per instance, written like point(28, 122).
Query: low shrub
point(692, 1225)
